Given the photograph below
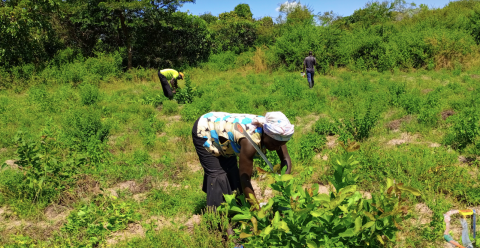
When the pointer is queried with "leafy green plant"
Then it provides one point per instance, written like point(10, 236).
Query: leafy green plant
point(170, 107)
point(89, 94)
point(83, 125)
point(93, 222)
point(186, 94)
point(47, 169)
point(148, 130)
point(429, 117)
point(464, 130)
point(310, 144)
point(396, 91)
point(299, 217)
point(411, 102)
point(324, 127)
point(359, 128)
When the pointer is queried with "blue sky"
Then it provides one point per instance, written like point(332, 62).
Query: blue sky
point(262, 8)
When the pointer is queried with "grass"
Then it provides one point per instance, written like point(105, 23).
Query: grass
point(150, 144)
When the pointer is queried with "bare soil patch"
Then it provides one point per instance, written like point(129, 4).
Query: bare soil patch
point(426, 91)
point(194, 220)
point(262, 196)
point(140, 197)
point(132, 186)
point(425, 214)
point(159, 222)
point(165, 184)
point(320, 156)
point(85, 187)
point(366, 194)
point(426, 77)
point(466, 160)
point(324, 189)
point(432, 144)
point(332, 141)
point(404, 138)
point(133, 230)
point(475, 76)
point(396, 124)
point(194, 166)
point(174, 118)
point(307, 122)
point(11, 164)
point(447, 113)
point(56, 212)
point(56, 216)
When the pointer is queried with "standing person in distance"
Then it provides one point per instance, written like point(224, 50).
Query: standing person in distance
point(166, 76)
point(310, 63)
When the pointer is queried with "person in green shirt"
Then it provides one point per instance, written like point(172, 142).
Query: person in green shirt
point(166, 76)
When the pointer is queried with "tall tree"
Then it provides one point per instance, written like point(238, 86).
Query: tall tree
point(114, 23)
point(233, 32)
point(243, 11)
point(26, 32)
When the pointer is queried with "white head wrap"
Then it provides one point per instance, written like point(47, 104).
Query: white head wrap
point(276, 125)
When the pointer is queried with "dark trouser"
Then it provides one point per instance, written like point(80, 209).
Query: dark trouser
point(310, 78)
point(221, 174)
point(167, 91)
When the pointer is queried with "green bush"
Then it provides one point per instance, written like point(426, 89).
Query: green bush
point(429, 116)
point(40, 96)
point(324, 127)
point(396, 91)
point(84, 125)
point(412, 102)
point(222, 61)
point(95, 222)
point(89, 94)
point(360, 126)
point(292, 216)
point(149, 129)
point(186, 94)
point(310, 144)
point(464, 130)
point(170, 107)
point(47, 169)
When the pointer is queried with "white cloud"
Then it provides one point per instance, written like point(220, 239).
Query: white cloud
point(287, 6)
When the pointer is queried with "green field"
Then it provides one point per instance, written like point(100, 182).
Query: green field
point(144, 178)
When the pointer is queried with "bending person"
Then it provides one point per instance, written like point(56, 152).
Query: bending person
point(166, 76)
point(218, 145)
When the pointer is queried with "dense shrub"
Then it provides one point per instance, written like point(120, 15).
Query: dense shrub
point(84, 125)
point(310, 144)
point(465, 129)
point(47, 169)
point(89, 94)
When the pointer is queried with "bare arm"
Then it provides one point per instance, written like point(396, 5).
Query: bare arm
point(246, 168)
point(285, 158)
point(173, 83)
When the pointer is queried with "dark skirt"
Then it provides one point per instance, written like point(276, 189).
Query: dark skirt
point(221, 174)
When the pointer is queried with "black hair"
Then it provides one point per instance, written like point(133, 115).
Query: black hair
point(310, 53)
